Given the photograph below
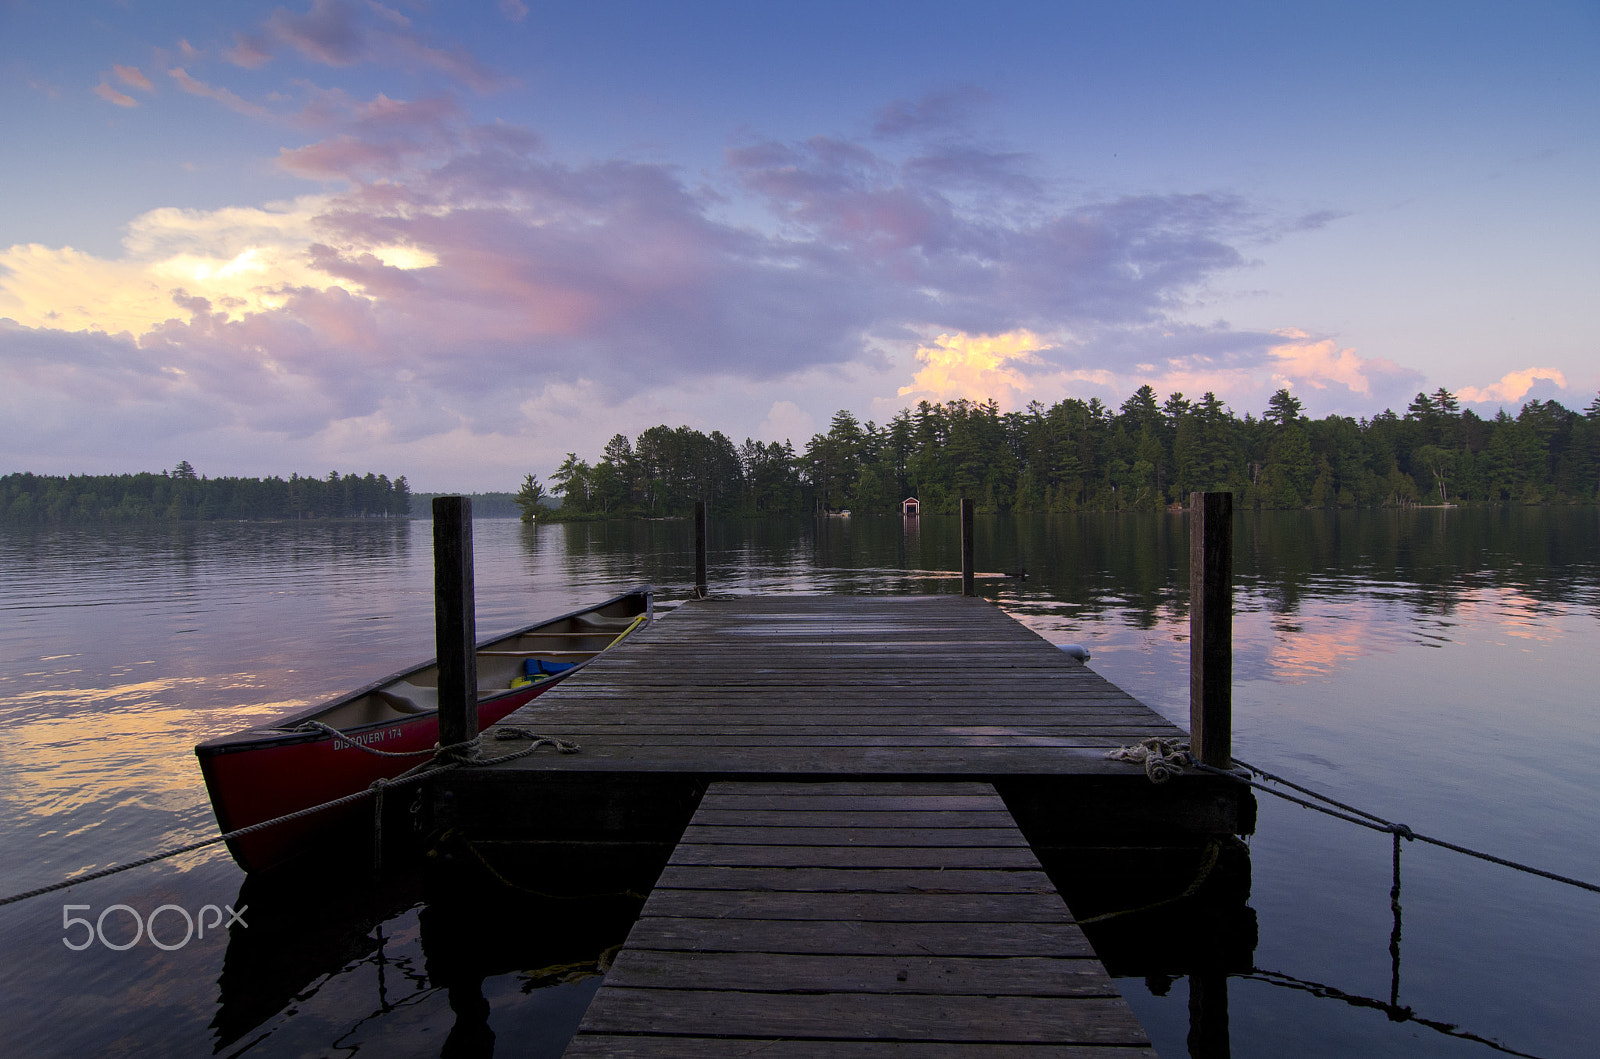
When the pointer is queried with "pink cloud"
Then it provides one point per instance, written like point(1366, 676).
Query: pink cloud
point(1512, 387)
point(1322, 364)
point(111, 95)
point(249, 50)
point(344, 157)
point(228, 99)
point(133, 77)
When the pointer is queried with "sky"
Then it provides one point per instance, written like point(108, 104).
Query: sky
point(457, 241)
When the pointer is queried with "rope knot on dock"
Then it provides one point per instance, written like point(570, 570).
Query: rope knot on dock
point(508, 731)
point(1162, 758)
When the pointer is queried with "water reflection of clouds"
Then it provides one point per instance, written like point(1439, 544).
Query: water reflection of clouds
point(1327, 633)
point(1329, 627)
point(1317, 644)
point(75, 756)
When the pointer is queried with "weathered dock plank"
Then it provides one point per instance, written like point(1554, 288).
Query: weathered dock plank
point(836, 687)
point(830, 688)
point(983, 940)
point(748, 947)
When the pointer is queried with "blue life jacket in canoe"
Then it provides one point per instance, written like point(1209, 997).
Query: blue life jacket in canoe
point(537, 666)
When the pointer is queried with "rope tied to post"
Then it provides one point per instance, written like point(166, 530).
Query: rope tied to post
point(1162, 758)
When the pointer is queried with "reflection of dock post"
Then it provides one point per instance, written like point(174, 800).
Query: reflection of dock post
point(470, 1035)
point(1211, 628)
point(1208, 1015)
point(966, 547)
point(700, 548)
point(454, 621)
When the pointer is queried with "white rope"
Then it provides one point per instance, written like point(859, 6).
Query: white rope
point(511, 731)
point(451, 751)
point(1162, 758)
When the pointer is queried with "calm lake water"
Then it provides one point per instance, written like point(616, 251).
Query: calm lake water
point(1438, 667)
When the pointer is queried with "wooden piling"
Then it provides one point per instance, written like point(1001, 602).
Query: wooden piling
point(700, 548)
point(454, 620)
point(1211, 628)
point(966, 548)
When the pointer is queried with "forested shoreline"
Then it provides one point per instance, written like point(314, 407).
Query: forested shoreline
point(484, 505)
point(183, 495)
point(1072, 456)
point(1085, 456)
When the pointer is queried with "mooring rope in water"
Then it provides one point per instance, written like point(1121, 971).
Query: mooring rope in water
point(1163, 758)
point(414, 775)
point(1209, 861)
point(1378, 823)
point(1160, 755)
point(472, 847)
point(1394, 932)
point(1393, 1011)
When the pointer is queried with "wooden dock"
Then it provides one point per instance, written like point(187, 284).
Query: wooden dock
point(839, 686)
point(865, 778)
point(855, 919)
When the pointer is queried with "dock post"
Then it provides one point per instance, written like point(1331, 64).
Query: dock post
point(700, 548)
point(1211, 628)
point(966, 547)
point(454, 620)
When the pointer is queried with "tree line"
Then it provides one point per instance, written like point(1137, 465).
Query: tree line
point(183, 495)
point(484, 505)
point(1085, 456)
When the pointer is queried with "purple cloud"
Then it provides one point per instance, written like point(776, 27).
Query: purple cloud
point(342, 33)
point(332, 32)
point(468, 271)
point(250, 50)
point(937, 112)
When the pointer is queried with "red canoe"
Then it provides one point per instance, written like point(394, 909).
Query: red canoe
point(280, 768)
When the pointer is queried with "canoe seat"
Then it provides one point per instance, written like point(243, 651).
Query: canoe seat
point(603, 624)
point(409, 698)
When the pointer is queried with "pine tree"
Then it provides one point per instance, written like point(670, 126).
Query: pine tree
point(529, 496)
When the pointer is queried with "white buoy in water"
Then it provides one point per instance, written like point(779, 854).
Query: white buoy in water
point(1075, 650)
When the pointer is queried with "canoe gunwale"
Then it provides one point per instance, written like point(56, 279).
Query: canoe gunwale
point(285, 731)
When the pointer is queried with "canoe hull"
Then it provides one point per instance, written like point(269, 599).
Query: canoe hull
point(274, 770)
